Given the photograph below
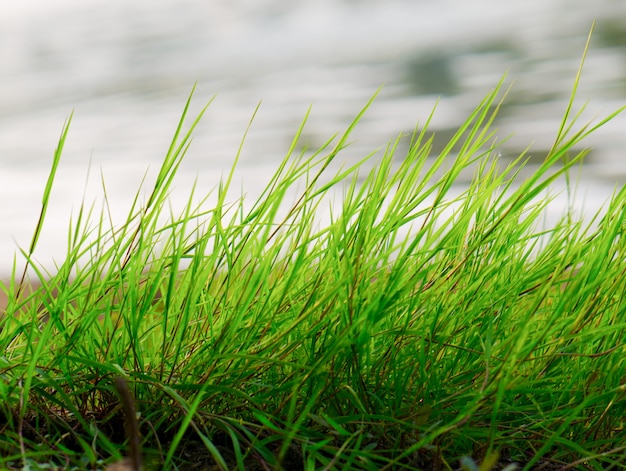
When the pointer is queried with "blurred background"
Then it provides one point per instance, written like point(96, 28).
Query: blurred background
point(125, 68)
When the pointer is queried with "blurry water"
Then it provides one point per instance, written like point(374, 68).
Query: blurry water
point(126, 69)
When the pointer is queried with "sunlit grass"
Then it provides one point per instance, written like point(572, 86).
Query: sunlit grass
point(421, 327)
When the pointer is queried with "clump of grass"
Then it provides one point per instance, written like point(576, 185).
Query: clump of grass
point(418, 329)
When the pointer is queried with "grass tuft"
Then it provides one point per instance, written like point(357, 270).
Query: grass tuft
point(423, 326)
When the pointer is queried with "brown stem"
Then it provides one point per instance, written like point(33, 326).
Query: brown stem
point(132, 428)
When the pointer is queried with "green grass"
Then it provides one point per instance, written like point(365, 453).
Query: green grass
point(420, 327)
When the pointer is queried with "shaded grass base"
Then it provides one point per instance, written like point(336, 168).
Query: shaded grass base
point(193, 454)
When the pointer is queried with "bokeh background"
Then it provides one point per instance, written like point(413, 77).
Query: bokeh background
point(126, 67)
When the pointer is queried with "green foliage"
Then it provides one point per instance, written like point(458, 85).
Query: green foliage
point(420, 326)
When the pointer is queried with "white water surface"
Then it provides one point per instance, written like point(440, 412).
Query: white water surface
point(126, 68)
